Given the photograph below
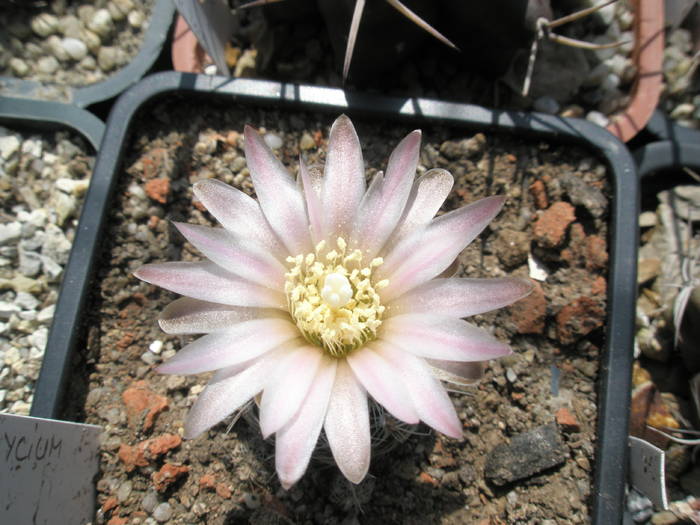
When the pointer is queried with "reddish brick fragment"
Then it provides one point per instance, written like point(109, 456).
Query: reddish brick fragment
point(528, 314)
point(158, 189)
point(596, 253)
point(579, 318)
point(118, 520)
point(539, 195)
point(424, 477)
point(223, 491)
point(567, 420)
point(143, 405)
point(207, 481)
point(109, 504)
point(599, 286)
point(167, 475)
point(551, 226)
point(141, 454)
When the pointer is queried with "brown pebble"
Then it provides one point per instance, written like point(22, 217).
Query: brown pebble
point(539, 194)
point(167, 475)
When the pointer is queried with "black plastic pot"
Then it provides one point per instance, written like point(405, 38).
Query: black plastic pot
point(51, 115)
point(156, 35)
point(615, 369)
point(673, 147)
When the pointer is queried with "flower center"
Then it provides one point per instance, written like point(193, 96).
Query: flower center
point(332, 298)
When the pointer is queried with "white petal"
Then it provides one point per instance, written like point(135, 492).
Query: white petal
point(461, 297)
point(441, 337)
point(429, 397)
point(240, 256)
point(347, 425)
point(209, 282)
point(241, 342)
point(280, 200)
point(383, 383)
point(384, 203)
point(343, 180)
point(287, 387)
point(314, 207)
point(238, 213)
point(427, 196)
point(424, 254)
point(295, 442)
point(192, 316)
point(226, 393)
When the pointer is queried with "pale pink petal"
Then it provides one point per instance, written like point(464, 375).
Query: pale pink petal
point(314, 208)
point(382, 382)
point(343, 180)
point(238, 213)
point(295, 442)
point(427, 196)
point(347, 425)
point(441, 337)
point(239, 343)
point(427, 394)
point(383, 204)
point(287, 387)
point(227, 391)
point(192, 316)
point(243, 257)
point(280, 200)
point(461, 297)
point(424, 254)
point(209, 282)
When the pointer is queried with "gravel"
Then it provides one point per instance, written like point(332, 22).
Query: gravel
point(42, 183)
point(64, 42)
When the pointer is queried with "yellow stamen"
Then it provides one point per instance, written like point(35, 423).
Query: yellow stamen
point(334, 303)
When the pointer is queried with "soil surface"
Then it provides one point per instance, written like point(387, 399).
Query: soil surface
point(556, 211)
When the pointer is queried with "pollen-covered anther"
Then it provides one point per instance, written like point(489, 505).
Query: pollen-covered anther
point(333, 299)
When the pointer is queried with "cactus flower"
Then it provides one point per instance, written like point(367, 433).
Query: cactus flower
point(324, 292)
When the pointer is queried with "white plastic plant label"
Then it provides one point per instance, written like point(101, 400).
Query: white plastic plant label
point(47, 470)
point(646, 473)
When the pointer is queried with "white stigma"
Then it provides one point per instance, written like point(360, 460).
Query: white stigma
point(336, 291)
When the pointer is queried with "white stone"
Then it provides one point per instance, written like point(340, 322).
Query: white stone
point(597, 118)
point(162, 512)
point(19, 67)
point(9, 145)
point(47, 65)
point(74, 48)
point(149, 358)
point(7, 309)
point(683, 111)
point(69, 25)
point(46, 314)
point(273, 141)
point(101, 23)
point(91, 40)
point(51, 267)
point(135, 19)
point(107, 58)
point(156, 346)
point(10, 232)
point(39, 338)
point(54, 44)
point(44, 24)
point(32, 147)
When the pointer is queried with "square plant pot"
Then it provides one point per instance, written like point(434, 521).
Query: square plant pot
point(154, 37)
point(572, 205)
point(48, 152)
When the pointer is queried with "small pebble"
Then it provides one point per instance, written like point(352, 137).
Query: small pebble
point(149, 501)
point(44, 24)
point(74, 48)
point(101, 23)
point(546, 104)
point(163, 512)
point(597, 118)
point(273, 141)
